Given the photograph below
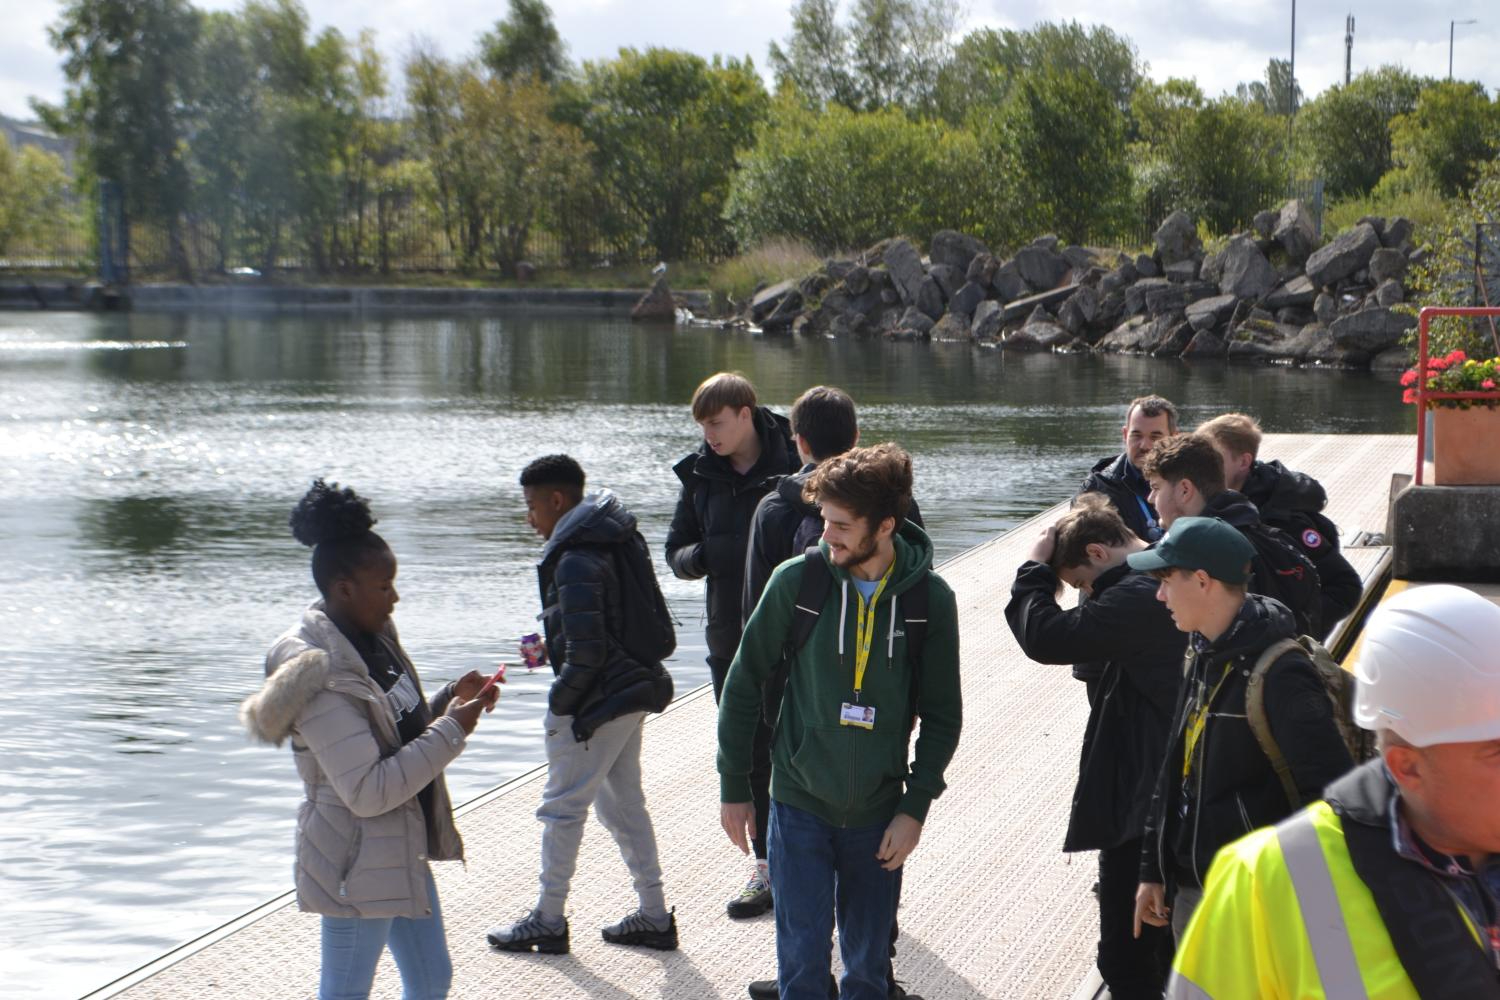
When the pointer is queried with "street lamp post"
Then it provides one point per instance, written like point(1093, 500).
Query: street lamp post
point(1451, 25)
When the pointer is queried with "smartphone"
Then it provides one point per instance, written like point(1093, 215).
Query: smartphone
point(499, 678)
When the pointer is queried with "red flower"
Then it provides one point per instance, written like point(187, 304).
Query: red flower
point(1410, 378)
point(1457, 358)
point(1488, 383)
point(1409, 396)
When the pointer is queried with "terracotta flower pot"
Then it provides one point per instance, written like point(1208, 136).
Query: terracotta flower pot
point(1466, 446)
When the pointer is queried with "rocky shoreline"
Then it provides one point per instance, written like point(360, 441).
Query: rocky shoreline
point(1271, 294)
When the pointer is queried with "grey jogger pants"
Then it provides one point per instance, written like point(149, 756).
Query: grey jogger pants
point(605, 772)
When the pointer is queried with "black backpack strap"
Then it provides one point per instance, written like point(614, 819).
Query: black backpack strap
point(812, 593)
point(914, 604)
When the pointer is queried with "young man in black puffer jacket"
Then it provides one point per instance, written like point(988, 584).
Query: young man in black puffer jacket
point(595, 710)
point(1148, 420)
point(1216, 784)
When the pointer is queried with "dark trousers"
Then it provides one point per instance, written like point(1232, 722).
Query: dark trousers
point(1133, 968)
point(760, 762)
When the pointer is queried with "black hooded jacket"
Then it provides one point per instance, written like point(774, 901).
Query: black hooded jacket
point(1294, 502)
point(582, 611)
point(711, 524)
point(1131, 634)
point(1230, 787)
point(1127, 490)
point(784, 525)
point(1301, 593)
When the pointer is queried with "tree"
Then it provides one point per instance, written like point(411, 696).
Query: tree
point(524, 44)
point(1277, 94)
point(666, 127)
point(1452, 131)
point(1344, 134)
point(129, 66)
point(35, 208)
point(227, 115)
point(815, 62)
point(1226, 162)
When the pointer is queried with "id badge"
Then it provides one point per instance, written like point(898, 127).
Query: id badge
point(862, 716)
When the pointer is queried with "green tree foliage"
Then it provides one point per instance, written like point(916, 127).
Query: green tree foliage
point(1276, 94)
point(1344, 134)
point(525, 43)
point(666, 127)
point(35, 209)
point(129, 66)
point(988, 62)
point(889, 54)
point(844, 179)
point(1446, 276)
point(1453, 130)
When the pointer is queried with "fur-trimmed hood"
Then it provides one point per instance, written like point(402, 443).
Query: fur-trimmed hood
point(270, 713)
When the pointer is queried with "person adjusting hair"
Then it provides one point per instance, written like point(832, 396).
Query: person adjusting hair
point(1389, 886)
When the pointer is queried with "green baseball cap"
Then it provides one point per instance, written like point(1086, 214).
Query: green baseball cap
point(1205, 543)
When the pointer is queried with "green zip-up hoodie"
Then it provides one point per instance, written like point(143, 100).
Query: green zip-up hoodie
point(847, 775)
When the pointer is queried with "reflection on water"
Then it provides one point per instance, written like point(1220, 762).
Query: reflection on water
point(147, 466)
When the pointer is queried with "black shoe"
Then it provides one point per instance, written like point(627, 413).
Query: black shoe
point(898, 992)
point(531, 933)
point(754, 899)
point(766, 989)
point(637, 928)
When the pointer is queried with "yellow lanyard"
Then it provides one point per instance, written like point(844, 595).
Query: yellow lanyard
point(864, 630)
point(1197, 720)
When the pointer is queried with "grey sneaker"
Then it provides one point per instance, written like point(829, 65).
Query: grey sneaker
point(754, 899)
point(637, 928)
point(532, 932)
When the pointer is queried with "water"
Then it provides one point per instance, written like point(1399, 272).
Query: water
point(147, 466)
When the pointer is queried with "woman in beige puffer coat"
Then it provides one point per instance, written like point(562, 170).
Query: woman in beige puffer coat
point(370, 750)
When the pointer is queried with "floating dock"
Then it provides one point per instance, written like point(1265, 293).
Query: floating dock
point(991, 907)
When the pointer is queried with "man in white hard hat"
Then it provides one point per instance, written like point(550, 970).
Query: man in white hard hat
point(1389, 887)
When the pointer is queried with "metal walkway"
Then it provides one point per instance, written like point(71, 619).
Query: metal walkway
point(991, 908)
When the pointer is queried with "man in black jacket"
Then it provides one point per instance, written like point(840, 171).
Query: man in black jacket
point(1148, 419)
point(1122, 628)
point(1292, 502)
point(595, 711)
point(1216, 783)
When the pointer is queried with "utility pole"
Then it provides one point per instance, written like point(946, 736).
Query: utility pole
point(1348, 47)
point(1291, 94)
point(1450, 44)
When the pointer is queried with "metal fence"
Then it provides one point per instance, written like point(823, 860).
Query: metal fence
point(1148, 212)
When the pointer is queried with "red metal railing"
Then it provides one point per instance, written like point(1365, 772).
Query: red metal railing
point(1423, 393)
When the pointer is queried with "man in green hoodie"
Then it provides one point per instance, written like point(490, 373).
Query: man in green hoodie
point(846, 809)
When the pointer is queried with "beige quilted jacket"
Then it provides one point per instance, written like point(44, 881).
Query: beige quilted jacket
point(362, 841)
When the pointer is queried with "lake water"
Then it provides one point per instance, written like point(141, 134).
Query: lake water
point(147, 466)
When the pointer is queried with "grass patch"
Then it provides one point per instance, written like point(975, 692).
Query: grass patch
point(1426, 209)
point(774, 260)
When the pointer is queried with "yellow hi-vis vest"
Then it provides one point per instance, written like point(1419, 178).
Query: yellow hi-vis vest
point(1285, 916)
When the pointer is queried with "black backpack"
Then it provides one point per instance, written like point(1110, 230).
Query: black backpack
point(817, 581)
point(646, 628)
point(1283, 572)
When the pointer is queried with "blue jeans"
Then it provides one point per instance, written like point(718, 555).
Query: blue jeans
point(352, 947)
point(819, 872)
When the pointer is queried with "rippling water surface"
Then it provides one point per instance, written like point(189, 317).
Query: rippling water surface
point(147, 466)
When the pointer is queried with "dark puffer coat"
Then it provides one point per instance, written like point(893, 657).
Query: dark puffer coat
point(711, 524)
point(1231, 788)
point(1127, 489)
point(1297, 587)
point(582, 612)
point(1294, 502)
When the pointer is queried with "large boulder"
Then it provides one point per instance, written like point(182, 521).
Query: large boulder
point(1040, 268)
point(1079, 311)
point(954, 249)
point(1244, 272)
point(1140, 335)
point(1146, 266)
point(1206, 314)
point(966, 299)
point(1397, 234)
point(1171, 299)
point(905, 266)
point(1135, 295)
point(1371, 330)
point(1265, 223)
point(953, 326)
point(1316, 345)
point(1389, 293)
point(949, 278)
point(989, 320)
point(1298, 292)
point(1177, 238)
point(765, 301)
point(1038, 336)
point(1296, 231)
point(780, 319)
point(915, 321)
point(1344, 257)
point(1182, 272)
point(1387, 263)
point(930, 298)
point(1008, 283)
point(982, 269)
point(1177, 338)
point(656, 306)
point(1260, 340)
point(1205, 344)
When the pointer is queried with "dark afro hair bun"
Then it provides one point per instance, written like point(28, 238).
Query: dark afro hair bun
point(328, 514)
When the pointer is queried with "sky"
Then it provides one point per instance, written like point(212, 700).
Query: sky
point(1217, 42)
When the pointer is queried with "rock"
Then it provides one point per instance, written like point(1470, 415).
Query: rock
point(1205, 314)
point(988, 320)
point(1375, 222)
point(1147, 267)
point(1008, 283)
point(1397, 359)
point(1257, 340)
point(1297, 292)
point(765, 301)
point(848, 324)
point(1326, 308)
point(1387, 263)
point(1135, 295)
point(1111, 311)
point(781, 318)
point(525, 272)
point(1175, 342)
point(1037, 337)
point(1111, 282)
point(1344, 257)
point(1170, 299)
point(1265, 223)
point(1085, 302)
point(1176, 238)
point(837, 269)
point(954, 249)
point(1078, 258)
point(1205, 344)
point(953, 326)
point(1047, 242)
point(1213, 267)
point(1316, 345)
point(1389, 293)
point(949, 278)
point(656, 306)
point(1039, 315)
point(1138, 335)
point(1298, 316)
point(857, 281)
point(814, 285)
point(930, 298)
point(1371, 330)
point(915, 320)
point(905, 268)
point(1182, 271)
point(1040, 268)
point(1245, 273)
point(1397, 233)
point(890, 296)
point(1025, 306)
point(981, 269)
point(1296, 231)
point(1126, 270)
point(966, 299)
